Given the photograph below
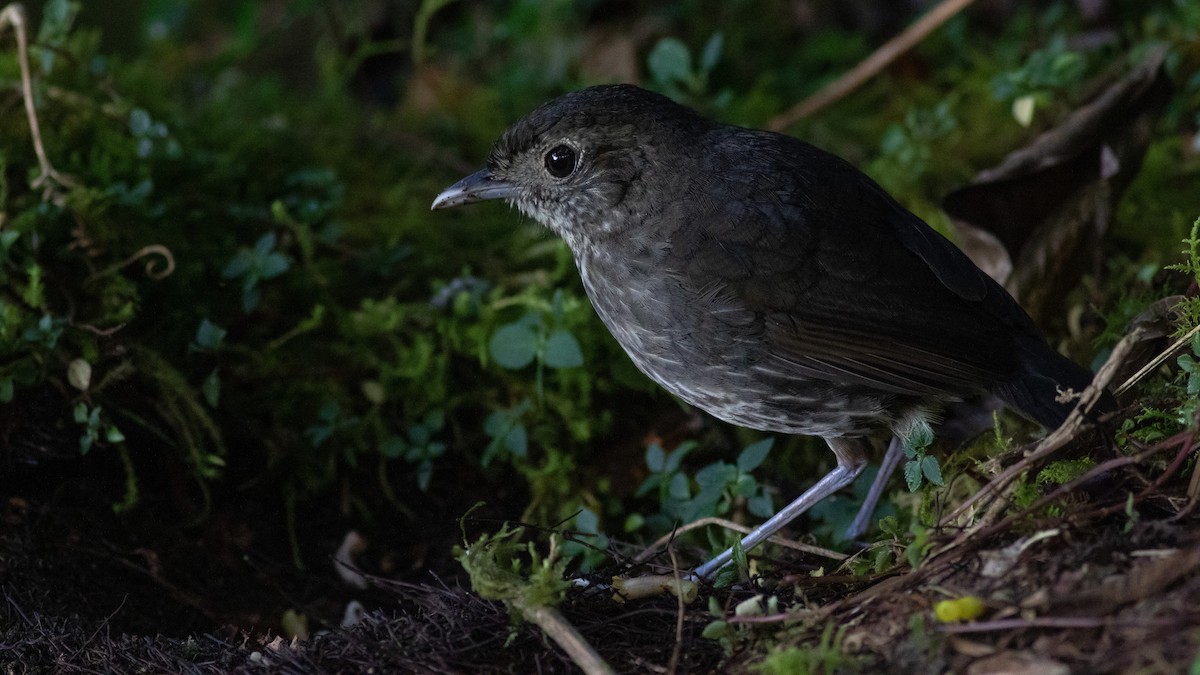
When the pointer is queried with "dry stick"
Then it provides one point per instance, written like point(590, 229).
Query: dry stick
point(956, 549)
point(677, 652)
point(1052, 443)
point(650, 550)
point(872, 65)
point(554, 624)
point(1156, 361)
point(14, 15)
point(1067, 488)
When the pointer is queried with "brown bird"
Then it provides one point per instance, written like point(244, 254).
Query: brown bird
point(766, 281)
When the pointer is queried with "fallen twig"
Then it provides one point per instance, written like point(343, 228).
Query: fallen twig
point(14, 15)
point(871, 66)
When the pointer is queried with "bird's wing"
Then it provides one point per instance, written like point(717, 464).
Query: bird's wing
point(840, 282)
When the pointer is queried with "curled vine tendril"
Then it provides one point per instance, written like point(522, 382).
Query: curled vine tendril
point(156, 268)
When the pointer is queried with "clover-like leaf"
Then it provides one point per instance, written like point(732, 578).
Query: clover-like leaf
point(562, 350)
point(670, 61)
point(513, 346)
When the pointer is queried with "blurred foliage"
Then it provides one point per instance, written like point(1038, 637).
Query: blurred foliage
point(240, 253)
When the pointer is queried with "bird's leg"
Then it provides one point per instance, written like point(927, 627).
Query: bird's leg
point(851, 460)
point(891, 460)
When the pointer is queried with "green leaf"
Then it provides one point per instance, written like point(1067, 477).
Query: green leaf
point(418, 435)
point(678, 488)
point(250, 298)
point(744, 486)
point(920, 435)
point(113, 434)
point(496, 424)
point(273, 265)
point(634, 522)
point(761, 505)
point(670, 61)
point(513, 346)
point(727, 577)
point(6, 389)
point(717, 474)
point(754, 454)
point(929, 467)
point(8, 238)
point(562, 350)
point(211, 388)
point(739, 555)
point(587, 521)
point(516, 441)
point(264, 245)
point(711, 52)
point(655, 457)
point(912, 475)
point(714, 630)
point(238, 266)
point(675, 459)
point(424, 475)
point(139, 122)
point(209, 335)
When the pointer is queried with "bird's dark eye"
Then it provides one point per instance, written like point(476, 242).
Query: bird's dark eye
point(560, 161)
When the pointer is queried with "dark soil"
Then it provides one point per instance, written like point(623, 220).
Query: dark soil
point(1092, 587)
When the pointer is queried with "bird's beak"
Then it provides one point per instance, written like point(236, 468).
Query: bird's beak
point(475, 188)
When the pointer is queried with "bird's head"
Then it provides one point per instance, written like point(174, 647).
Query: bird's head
point(580, 163)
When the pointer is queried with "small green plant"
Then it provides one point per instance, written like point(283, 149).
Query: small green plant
point(1190, 366)
point(530, 585)
point(907, 148)
point(719, 628)
point(738, 568)
point(917, 549)
point(536, 337)
point(417, 446)
point(672, 69)
point(501, 567)
point(826, 656)
point(1045, 73)
point(1189, 308)
point(95, 428)
point(1132, 516)
point(507, 433)
point(1154, 423)
point(330, 420)
point(711, 492)
point(1026, 492)
point(254, 266)
point(920, 466)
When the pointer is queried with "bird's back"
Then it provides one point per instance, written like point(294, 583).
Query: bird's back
point(778, 287)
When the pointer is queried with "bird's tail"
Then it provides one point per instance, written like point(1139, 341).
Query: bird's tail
point(1042, 391)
